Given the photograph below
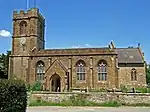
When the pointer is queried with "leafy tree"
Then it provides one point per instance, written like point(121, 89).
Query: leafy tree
point(148, 74)
point(7, 62)
point(4, 64)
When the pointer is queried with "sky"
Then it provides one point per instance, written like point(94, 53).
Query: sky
point(85, 23)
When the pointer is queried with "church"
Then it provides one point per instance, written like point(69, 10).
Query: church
point(73, 68)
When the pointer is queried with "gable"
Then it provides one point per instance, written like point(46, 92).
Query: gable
point(57, 65)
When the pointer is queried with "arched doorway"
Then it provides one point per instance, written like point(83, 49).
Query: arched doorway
point(55, 83)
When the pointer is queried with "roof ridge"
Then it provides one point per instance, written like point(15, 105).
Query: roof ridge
point(128, 48)
point(76, 48)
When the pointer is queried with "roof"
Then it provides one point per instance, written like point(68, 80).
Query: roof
point(129, 55)
point(75, 52)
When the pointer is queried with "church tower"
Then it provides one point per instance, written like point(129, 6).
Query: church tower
point(28, 34)
point(28, 31)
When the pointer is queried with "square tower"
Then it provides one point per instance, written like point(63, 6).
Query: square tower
point(28, 34)
point(28, 31)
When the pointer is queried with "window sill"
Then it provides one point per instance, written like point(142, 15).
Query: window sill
point(102, 81)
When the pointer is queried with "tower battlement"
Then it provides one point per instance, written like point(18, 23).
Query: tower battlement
point(33, 12)
point(28, 26)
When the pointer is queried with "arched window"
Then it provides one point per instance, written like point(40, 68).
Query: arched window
point(133, 75)
point(80, 70)
point(23, 28)
point(40, 72)
point(102, 70)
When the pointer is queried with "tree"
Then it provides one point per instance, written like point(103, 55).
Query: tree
point(148, 74)
point(4, 64)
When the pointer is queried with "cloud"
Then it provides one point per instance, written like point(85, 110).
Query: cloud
point(76, 46)
point(88, 45)
point(82, 46)
point(5, 33)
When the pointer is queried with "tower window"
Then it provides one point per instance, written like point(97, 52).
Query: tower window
point(23, 28)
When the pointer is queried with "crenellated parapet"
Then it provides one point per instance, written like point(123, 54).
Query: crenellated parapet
point(30, 13)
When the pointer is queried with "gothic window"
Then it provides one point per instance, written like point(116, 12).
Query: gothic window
point(23, 28)
point(133, 75)
point(80, 70)
point(40, 71)
point(102, 70)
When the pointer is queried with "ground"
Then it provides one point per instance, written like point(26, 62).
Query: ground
point(88, 109)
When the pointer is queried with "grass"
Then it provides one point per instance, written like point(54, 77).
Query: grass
point(137, 105)
point(68, 103)
point(87, 103)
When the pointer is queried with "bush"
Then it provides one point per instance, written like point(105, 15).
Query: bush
point(13, 96)
point(37, 86)
point(123, 88)
point(143, 90)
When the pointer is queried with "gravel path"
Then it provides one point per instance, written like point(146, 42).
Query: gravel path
point(88, 109)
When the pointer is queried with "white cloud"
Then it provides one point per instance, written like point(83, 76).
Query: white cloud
point(76, 46)
point(5, 33)
point(88, 45)
point(82, 46)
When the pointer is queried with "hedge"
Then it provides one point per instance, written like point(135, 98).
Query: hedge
point(13, 95)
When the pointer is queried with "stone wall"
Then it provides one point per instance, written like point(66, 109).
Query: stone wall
point(52, 66)
point(124, 76)
point(123, 98)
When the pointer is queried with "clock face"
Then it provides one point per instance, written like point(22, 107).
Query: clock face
point(23, 41)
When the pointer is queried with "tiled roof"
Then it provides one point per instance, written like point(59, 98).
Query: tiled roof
point(129, 55)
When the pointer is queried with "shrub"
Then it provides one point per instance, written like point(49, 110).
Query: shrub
point(143, 90)
point(37, 86)
point(28, 87)
point(13, 96)
point(123, 88)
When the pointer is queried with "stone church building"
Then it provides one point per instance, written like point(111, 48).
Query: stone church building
point(69, 69)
